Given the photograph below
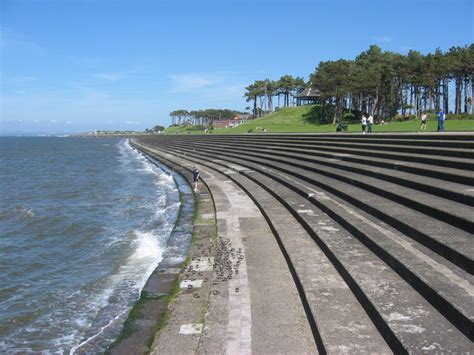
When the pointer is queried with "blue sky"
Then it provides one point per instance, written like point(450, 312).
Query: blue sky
point(72, 66)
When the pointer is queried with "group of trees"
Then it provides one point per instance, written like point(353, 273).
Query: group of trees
point(385, 84)
point(201, 117)
point(155, 129)
point(262, 92)
point(382, 83)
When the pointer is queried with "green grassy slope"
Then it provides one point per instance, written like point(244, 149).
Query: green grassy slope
point(292, 120)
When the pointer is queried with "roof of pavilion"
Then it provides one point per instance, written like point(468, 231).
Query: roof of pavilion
point(309, 92)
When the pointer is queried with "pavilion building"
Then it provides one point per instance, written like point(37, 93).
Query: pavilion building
point(309, 96)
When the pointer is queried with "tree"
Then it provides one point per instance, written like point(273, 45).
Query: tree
point(289, 86)
point(382, 83)
point(251, 94)
point(178, 117)
point(333, 79)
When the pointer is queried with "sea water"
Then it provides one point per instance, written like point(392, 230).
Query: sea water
point(83, 223)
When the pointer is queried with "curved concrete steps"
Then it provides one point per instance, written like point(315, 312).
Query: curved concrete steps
point(448, 211)
point(449, 172)
point(414, 293)
point(440, 237)
point(431, 185)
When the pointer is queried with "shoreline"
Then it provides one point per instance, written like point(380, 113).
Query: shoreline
point(140, 323)
point(150, 311)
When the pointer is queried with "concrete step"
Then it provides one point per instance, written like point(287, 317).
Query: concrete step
point(253, 308)
point(444, 239)
point(430, 140)
point(393, 299)
point(448, 239)
point(456, 214)
point(329, 299)
point(452, 161)
point(342, 324)
point(408, 316)
point(460, 143)
point(366, 145)
point(456, 192)
point(457, 175)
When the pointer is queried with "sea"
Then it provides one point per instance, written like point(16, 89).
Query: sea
point(83, 224)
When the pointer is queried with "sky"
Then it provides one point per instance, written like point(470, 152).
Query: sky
point(69, 66)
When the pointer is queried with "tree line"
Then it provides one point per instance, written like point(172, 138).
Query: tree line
point(382, 83)
point(262, 92)
point(201, 117)
point(385, 84)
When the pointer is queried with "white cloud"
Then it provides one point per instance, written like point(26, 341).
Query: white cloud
point(133, 123)
point(190, 82)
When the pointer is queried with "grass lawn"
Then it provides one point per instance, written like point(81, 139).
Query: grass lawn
point(291, 120)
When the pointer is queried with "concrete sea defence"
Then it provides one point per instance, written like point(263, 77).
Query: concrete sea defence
point(150, 310)
point(375, 233)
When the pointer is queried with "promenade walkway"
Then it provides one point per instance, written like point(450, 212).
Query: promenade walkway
point(253, 304)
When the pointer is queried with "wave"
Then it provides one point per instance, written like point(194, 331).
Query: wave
point(129, 155)
point(17, 211)
point(149, 244)
point(76, 265)
point(130, 278)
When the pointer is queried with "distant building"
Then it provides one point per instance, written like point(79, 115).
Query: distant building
point(233, 122)
point(308, 96)
point(243, 117)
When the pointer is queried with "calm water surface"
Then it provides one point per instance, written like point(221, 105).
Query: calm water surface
point(83, 223)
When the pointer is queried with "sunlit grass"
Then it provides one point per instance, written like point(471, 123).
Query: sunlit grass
point(292, 120)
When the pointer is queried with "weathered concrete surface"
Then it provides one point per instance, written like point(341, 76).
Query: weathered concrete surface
point(342, 323)
point(254, 306)
point(181, 332)
point(144, 318)
point(410, 270)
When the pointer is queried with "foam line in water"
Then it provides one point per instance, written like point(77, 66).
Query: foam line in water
point(129, 154)
point(148, 251)
point(85, 342)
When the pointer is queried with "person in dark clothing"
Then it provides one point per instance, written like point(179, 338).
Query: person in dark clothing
point(441, 118)
point(195, 177)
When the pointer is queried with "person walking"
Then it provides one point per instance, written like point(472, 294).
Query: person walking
point(370, 122)
point(441, 118)
point(423, 121)
point(363, 121)
point(195, 177)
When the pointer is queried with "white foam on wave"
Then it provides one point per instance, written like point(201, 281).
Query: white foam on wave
point(16, 211)
point(148, 243)
point(134, 272)
point(150, 250)
point(101, 330)
point(129, 155)
point(25, 211)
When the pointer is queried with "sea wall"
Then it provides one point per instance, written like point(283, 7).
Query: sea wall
point(380, 224)
point(149, 312)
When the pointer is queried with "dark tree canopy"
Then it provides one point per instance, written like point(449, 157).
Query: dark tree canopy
point(382, 83)
point(385, 84)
